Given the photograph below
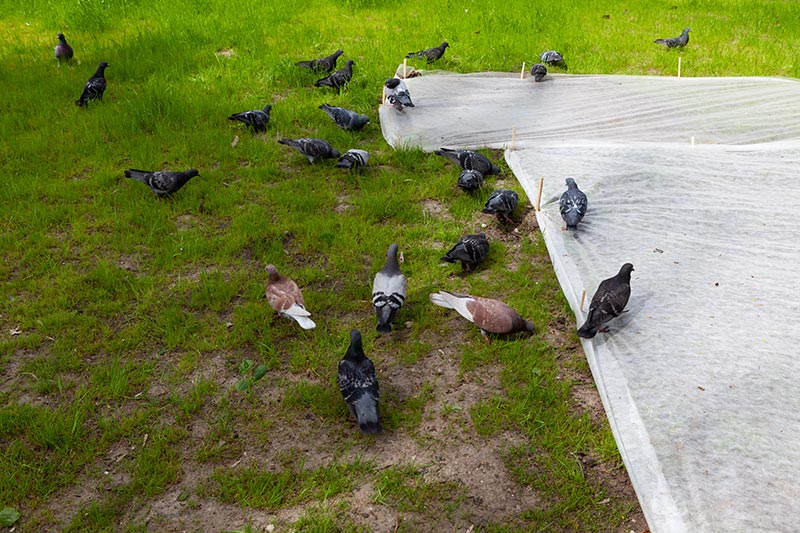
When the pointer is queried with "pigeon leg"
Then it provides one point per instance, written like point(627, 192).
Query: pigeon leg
point(485, 336)
point(604, 329)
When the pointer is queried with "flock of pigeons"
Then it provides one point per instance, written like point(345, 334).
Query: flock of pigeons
point(356, 373)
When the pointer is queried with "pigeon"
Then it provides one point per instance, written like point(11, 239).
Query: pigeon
point(162, 182)
point(608, 302)
point(257, 119)
point(285, 298)
point(469, 160)
point(676, 42)
point(470, 180)
point(397, 94)
point(502, 202)
point(551, 57)
point(338, 79)
point(359, 385)
point(572, 204)
point(313, 149)
point(538, 71)
point(470, 250)
point(353, 158)
point(344, 118)
point(430, 54)
point(62, 50)
point(323, 64)
point(95, 87)
point(491, 316)
point(388, 291)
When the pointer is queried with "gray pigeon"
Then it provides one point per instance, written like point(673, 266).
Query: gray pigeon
point(257, 119)
point(469, 160)
point(608, 302)
point(490, 315)
point(353, 158)
point(344, 118)
point(388, 291)
point(359, 385)
point(313, 149)
point(538, 71)
point(95, 86)
point(323, 64)
point(502, 202)
point(338, 79)
point(551, 57)
point(63, 50)
point(469, 250)
point(397, 94)
point(676, 42)
point(572, 205)
point(430, 54)
point(162, 182)
point(470, 180)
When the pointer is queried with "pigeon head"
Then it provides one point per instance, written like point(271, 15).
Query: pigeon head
point(686, 30)
point(355, 344)
point(102, 65)
point(339, 52)
point(267, 108)
point(625, 271)
point(528, 325)
point(391, 83)
point(392, 251)
point(192, 172)
point(445, 44)
point(62, 38)
point(571, 182)
point(349, 63)
point(273, 273)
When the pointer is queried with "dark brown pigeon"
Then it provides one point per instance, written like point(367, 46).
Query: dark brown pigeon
point(430, 54)
point(162, 182)
point(359, 385)
point(95, 87)
point(491, 316)
point(284, 297)
point(676, 42)
point(338, 79)
point(323, 64)
point(608, 302)
point(469, 250)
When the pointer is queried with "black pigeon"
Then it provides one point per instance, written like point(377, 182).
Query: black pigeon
point(313, 149)
point(551, 57)
point(430, 54)
point(63, 50)
point(676, 42)
point(388, 291)
point(538, 71)
point(502, 202)
point(353, 158)
point(572, 205)
point(359, 385)
point(470, 250)
point(397, 94)
point(469, 160)
point(95, 87)
point(344, 118)
point(608, 302)
point(258, 119)
point(323, 64)
point(338, 79)
point(470, 180)
point(162, 182)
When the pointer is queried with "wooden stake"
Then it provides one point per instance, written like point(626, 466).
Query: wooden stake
point(383, 97)
point(405, 63)
point(539, 196)
point(513, 138)
point(692, 139)
point(679, 66)
point(522, 72)
point(583, 298)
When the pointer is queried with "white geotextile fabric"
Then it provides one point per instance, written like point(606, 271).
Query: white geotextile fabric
point(701, 378)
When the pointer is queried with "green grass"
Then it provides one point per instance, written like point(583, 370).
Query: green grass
point(132, 316)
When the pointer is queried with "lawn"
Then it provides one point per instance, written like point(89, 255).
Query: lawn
point(133, 328)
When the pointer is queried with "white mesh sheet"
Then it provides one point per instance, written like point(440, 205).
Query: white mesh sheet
point(700, 378)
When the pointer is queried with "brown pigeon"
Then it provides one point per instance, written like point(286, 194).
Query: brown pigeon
point(491, 316)
point(284, 296)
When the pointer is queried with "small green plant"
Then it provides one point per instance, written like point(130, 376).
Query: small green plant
point(249, 377)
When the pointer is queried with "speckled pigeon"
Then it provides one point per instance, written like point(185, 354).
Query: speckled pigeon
point(573, 204)
point(491, 316)
point(162, 182)
point(469, 160)
point(608, 302)
point(470, 180)
point(359, 385)
point(338, 79)
point(551, 57)
point(538, 71)
point(95, 87)
point(323, 64)
point(63, 50)
point(430, 54)
point(345, 118)
point(353, 158)
point(313, 149)
point(388, 291)
point(285, 298)
point(257, 119)
point(469, 250)
point(397, 94)
point(676, 42)
point(502, 202)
